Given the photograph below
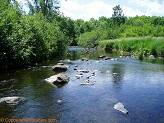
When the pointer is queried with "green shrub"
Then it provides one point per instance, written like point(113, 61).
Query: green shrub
point(89, 39)
point(141, 46)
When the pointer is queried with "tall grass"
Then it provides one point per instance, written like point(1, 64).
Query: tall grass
point(140, 46)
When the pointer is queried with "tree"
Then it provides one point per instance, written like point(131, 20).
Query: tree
point(118, 16)
point(45, 6)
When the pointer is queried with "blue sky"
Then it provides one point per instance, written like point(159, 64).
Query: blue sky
point(86, 9)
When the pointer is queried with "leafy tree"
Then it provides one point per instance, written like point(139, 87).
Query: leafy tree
point(45, 6)
point(89, 39)
point(79, 29)
point(9, 16)
point(118, 16)
point(25, 40)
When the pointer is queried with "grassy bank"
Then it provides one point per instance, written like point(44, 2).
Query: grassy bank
point(142, 46)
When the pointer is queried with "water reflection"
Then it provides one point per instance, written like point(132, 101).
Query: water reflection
point(143, 98)
point(118, 75)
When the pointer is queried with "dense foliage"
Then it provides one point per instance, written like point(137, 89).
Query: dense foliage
point(139, 26)
point(140, 47)
point(146, 30)
point(44, 32)
point(26, 39)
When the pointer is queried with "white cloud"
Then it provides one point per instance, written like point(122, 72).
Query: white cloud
point(153, 7)
point(93, 9)
point(130, 12)
point(87, 9)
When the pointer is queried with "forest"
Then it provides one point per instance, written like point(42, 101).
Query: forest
point(44, 33)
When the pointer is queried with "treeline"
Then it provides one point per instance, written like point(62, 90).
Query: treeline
point(41, 34)
point(45, 33)
point(104, 28)
point(142, 35)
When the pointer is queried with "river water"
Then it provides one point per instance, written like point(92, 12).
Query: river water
point(138, 85)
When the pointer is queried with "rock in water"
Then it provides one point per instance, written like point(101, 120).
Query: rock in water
point(86, 83)
point(83, 71)
point(59, 68)
point(79, 76)
point(102, 56)
point(10, 100)
point(120, 107)
point(59, 101)
point(60, 63)
point(58, 79)
point(151, 57)
point(84, 59)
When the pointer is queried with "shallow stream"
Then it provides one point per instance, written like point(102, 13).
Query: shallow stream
point(138, 85)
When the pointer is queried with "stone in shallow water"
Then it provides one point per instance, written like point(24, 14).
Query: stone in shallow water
point(84, 59)
point(59, 68)
point(79, 76)
point(58, 79)
point(60, 63)
point(151, 57)
point(83, 71)
point(114, 74)
point(102, 56)
point(59, 101)
point(11, 100)
point(86, 83)
point(120, 107)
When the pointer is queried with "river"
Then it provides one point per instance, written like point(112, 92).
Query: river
point(138, 85)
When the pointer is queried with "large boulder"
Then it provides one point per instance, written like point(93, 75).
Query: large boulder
point(58, 79)
point(5, 101)
point(58, 68)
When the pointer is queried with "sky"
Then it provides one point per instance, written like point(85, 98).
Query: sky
point(87, 9)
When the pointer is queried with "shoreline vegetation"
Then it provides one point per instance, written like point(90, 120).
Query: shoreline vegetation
point(45, 33)
point(140, 47)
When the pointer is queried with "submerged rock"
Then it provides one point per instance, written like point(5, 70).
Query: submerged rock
point(84, 59)
point(58, 68)
point(5, 101)
point(79, 76)
point(83, 71)
point(75, 68)
point(120, 107)
point(59, 101)
point(95, 70)
point(60, 63)
point(75, 65)
point(85, 83)
point(46, 66)
point(106, 58)
point(102, 56)
point(115, 74)
point(58, 79)
point(98, 61)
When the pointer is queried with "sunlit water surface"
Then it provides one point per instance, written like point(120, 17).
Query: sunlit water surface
point(139, 85)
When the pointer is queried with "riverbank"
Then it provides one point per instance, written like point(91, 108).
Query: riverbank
point(143, 46)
